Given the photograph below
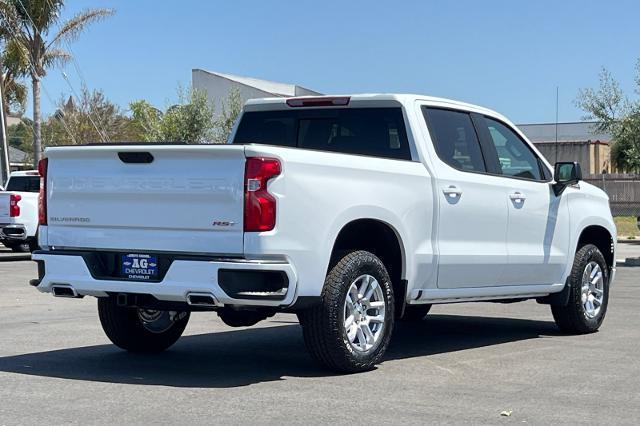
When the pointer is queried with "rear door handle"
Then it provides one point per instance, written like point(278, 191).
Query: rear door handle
point(452, 191)
point(517, 197)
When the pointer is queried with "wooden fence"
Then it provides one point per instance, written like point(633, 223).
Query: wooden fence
point(623, 191)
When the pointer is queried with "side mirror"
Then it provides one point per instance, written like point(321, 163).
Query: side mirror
point(566, 173)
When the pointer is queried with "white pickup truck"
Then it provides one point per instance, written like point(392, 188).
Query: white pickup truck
point(351, 211)
point(19, 211)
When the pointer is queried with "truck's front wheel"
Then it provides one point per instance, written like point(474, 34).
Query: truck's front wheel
point(588, 293)
point(350, 330)
point(140, 330)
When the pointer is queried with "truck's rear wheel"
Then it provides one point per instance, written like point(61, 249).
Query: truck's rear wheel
point(350, 330)
point(140, 330)
point(33, 244)
point(19, 247)
point(26, 246)
point(588, 293)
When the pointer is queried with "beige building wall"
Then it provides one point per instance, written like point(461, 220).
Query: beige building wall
point(594, 157)
point(600, 158)
point(576, 141)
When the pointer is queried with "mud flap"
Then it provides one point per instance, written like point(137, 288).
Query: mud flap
point(557, 299)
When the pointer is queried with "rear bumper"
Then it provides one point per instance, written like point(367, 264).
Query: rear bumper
point(13, 232)
point(183, 277)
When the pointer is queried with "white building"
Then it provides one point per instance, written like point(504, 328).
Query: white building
point(218, 85)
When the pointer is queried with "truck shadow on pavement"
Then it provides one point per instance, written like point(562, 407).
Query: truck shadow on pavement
point(249, 356)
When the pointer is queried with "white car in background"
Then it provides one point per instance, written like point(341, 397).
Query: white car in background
point(19, 211)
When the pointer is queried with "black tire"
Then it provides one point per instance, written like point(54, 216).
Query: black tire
point(415, 313)
point(21, 247)
point(126, 330)
point(323, 325)
point(573, 318)
point(33, 244)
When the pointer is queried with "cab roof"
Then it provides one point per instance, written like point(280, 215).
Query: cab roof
point(363, 98)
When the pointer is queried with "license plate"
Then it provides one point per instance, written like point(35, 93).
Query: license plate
point(139, 266)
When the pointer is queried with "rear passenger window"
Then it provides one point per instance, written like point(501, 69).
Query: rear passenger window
point(378, 132)
point(455, 139)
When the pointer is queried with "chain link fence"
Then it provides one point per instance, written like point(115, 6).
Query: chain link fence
point(623, 191)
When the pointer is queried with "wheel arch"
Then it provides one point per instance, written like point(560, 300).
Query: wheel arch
point(595, 231)
point(381, 239)
point(600, 237)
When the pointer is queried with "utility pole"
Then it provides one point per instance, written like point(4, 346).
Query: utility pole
point(556, 144)
point(4, 148)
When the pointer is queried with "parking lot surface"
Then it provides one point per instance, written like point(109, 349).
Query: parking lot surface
point(629, 248)
point(465, 364)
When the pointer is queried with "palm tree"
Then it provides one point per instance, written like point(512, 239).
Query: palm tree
point(30, 23)
point(13, 67)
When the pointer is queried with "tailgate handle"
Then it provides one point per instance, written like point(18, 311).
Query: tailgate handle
point(136, 157)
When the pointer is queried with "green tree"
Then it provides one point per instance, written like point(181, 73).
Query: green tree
point(625, 152)
point(231, 108)
point(13, 67)
point(88, 119)
point(617, 114)
point(35, 25)
point(145, 119)
point(19, 136)
point(191, 120)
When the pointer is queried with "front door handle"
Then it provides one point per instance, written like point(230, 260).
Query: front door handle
point(517, 197)
point(452, 191)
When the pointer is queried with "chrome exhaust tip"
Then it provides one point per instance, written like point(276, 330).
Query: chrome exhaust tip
point(202, 300)
point(64, 290)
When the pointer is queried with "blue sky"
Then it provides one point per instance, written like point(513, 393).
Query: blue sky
point(506, 55)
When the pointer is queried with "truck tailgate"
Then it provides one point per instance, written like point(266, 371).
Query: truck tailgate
point(5, 198)
point(169, 198)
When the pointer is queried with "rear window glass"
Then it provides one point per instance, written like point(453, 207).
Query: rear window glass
point(378, 132)
point(24, 184)
point(455, 139)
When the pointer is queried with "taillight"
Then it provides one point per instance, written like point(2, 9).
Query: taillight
point(259, 205)
point(42, 198)
point(14, 208)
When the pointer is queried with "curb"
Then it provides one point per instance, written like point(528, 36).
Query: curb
point(15, 257)
point(632, 261)
point(629, 261)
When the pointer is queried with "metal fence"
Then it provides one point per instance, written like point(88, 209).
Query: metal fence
point(623, 191)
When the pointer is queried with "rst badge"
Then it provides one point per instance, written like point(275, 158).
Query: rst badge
point(222, 223)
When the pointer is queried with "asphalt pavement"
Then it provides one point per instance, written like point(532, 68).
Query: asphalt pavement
point(466, 363)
